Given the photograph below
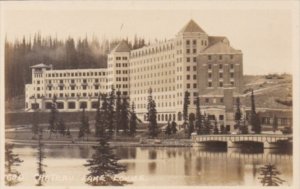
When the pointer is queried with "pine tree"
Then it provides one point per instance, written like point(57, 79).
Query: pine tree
point(255, 120)
point(98, 117)
point(216, 129)
point(35, 125)
point(41, 179)
point(62, 127)
point(199, 124)
point(11, 160)
point(270, 176)
point(82, 125)
point(186, 103)
point(238, 115)
point(133, 120)
point(168, 130)
point(110, 108)
point(174, 127)
point(118, 111)
point(125, 115)
point(53, 117)
point(103, 166)
point(151, 116)
point(191, 124)
point(275, 123)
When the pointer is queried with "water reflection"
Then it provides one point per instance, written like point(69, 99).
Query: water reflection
point(169, 166)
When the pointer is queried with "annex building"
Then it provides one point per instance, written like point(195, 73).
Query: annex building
point(206, 66)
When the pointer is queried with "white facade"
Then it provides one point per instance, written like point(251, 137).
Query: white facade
point(169, 68)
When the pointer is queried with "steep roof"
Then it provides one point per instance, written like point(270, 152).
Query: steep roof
point(41, 65)
point(214, 39)
point(191, 26)
point(122, 47)
point(220, 47)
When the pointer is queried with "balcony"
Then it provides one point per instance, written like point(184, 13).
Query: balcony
point(61, 84)
point(49, 85)
point(84, 84)
point(72, 84)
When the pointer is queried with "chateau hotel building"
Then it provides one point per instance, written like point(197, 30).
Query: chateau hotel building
point(206, 66)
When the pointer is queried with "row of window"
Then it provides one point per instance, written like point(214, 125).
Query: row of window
point(220, 75)
point(77, 74)
point(152, 50)
point(209, 57)
point(221, 84)
point(220, 66)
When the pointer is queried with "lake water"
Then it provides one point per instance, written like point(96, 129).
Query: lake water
point(157, 166)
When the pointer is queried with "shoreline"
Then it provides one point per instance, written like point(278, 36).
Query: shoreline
point(149, 143)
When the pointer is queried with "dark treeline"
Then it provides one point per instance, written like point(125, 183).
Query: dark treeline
point(62, 54)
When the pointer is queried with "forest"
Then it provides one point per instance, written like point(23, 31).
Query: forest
point(70, 53)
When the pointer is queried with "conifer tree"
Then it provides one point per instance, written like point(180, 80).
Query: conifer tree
point(62, 127)
point(118, 111)
point(111, 112)
point(35, 125)
point(168, 130)
point(133, 120)
point(270, 176)
point(11, 161)
point(151, 115)
point(103, 165)
point(53, 117)
point(125, 115)
point(255, 120)
point(191, 124)
point(98, 117)
point(174, 127)
point(199, 125)
point(238, 114)
point(41, 179)
point(186, 103)
point(83, 125)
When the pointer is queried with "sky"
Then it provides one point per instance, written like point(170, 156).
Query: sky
point(264, 34)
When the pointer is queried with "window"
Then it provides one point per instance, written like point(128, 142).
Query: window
point(194, 51)
point(195, 86)
point(207, 100)
point(221, 100)
point(48, 105)
point(187, 51)
point(231, 66)
point(188, 85)
point(231, 56)
point(71, 105)
point(221, 84)
point(83, 104)
point(221, 117)
point(61, 88)
point(209, 84)
point(49, 88)
point(84, 87)
point(187, 42)
point(94, 105)
point(194, 59)
point(60, 105)
point(209, 66)
point(232, 83)
point(187, 68)
point(209, 57)
point(194, 42)
point(209, 75)
point(231, 75)
point(194, 77)
point(188, 59)
point(72, 87)
point(221, 75)
point(220, 57)
point(194, 68)
point(221, 66)
point(188, 77)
